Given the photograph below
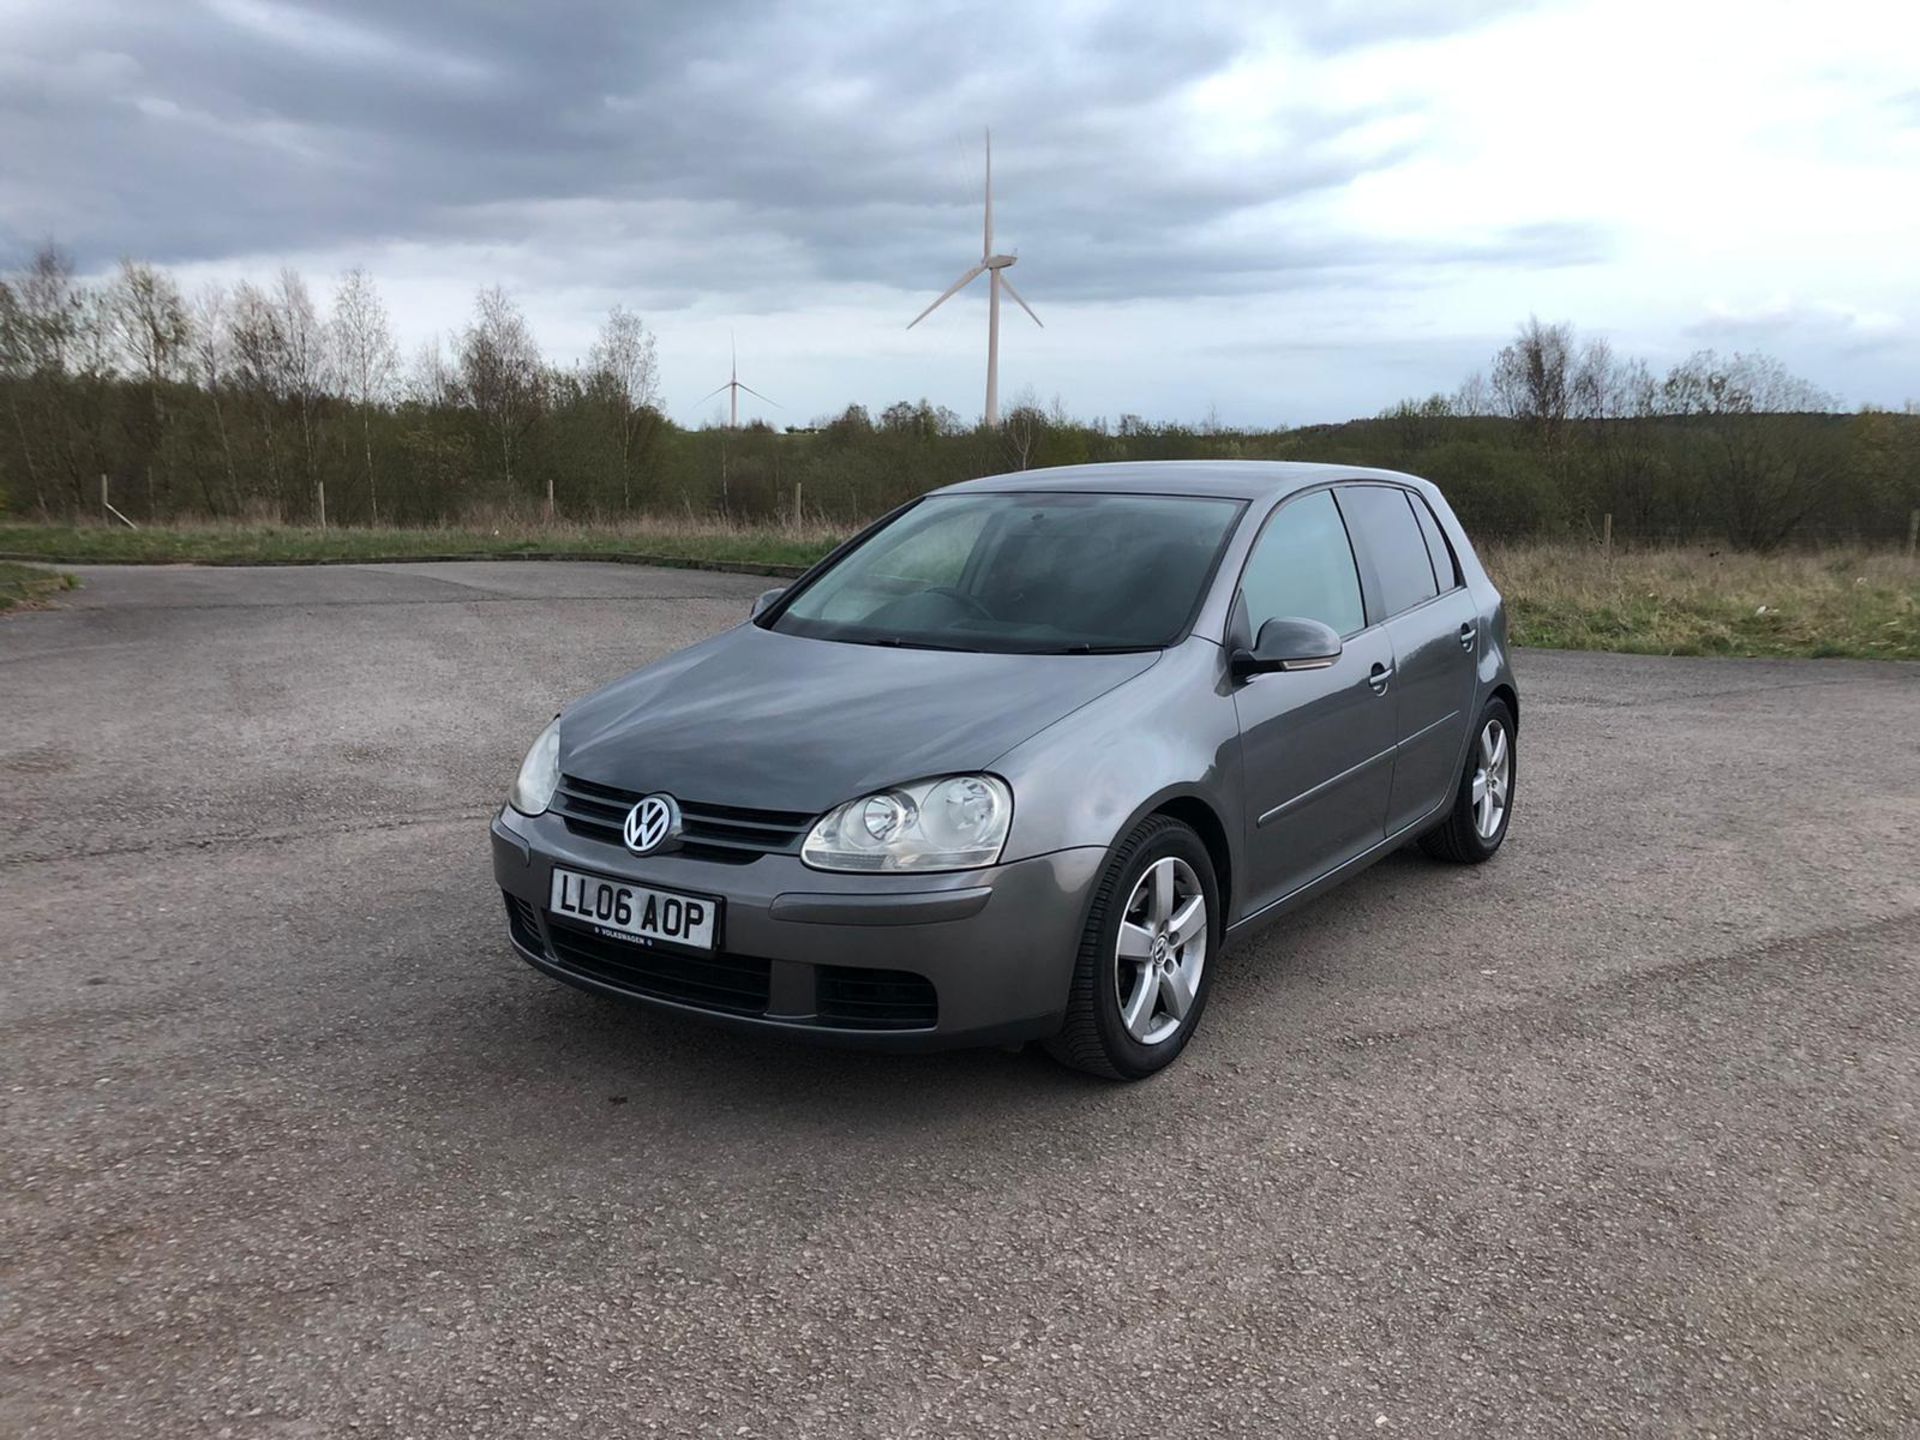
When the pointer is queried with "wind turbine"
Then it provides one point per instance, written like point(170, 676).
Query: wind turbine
point(996, 267)
point(734, 386)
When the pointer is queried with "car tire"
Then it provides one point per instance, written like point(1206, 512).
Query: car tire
point(1474, 827)
point(1103, 1033)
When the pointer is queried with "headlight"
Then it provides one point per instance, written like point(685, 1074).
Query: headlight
point(955, 823)
point(539, 773)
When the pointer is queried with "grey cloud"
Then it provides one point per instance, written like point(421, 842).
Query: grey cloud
point(689, 147)
point(1802, 326)
point(1335, 25)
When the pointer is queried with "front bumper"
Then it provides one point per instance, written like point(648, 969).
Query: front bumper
point(996, 946)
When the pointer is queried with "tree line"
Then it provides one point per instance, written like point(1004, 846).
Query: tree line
point(257, 402)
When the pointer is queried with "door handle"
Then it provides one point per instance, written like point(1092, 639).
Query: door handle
point(1467, 632)
point(1378, 678)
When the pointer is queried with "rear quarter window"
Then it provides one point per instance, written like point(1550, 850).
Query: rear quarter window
point(1446, 567)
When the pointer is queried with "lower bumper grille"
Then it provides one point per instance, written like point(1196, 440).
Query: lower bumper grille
point(524, 924)
point(736, 984)
point(858, 999)
point(846, 997)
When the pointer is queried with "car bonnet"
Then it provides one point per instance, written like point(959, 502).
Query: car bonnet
point(763, 720)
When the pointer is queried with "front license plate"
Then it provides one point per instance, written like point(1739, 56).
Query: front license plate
point(623, 911)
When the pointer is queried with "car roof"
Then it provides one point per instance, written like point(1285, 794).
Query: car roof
point(1226, 479)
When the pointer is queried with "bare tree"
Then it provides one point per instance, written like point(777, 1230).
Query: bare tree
point(304, 357)
point(431, 381)
point(76, 397)
point(49, 305)
point(1615, 402)
point(209, 358)
point(1606, 387)
point(500, 374)
point(1023, 427)
point(1473, 398)
point(16, 364)
point(258, 347)
point(624, 366)
point(364, 361)
point(42, 316)
point(93, 349)
point(149, 320)
point(1593, 371)
point(1533, 381)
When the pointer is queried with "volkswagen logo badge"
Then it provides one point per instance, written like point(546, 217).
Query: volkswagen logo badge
point(653, 824)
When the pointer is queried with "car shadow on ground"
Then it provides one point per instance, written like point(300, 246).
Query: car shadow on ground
point(591, 1053)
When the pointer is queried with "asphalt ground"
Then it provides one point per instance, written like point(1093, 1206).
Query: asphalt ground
point(1616, 1135)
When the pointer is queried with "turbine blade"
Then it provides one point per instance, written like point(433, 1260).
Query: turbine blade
point(1007, 285)
point(713, 392)
point(946, 295)
point(751, 391)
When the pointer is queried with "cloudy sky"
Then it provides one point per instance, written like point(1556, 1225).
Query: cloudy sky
point(1279, 212)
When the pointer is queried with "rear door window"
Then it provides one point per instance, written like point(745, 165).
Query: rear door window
point(1383, 519)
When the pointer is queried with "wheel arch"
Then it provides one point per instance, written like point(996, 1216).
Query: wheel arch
point(1505, 691)
point(1198, 815)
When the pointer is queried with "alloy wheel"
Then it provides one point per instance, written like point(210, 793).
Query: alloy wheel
point(1492, 779)
point(1161, 951)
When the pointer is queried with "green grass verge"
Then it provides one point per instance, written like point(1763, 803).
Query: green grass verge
point(26, 584)
point(688, 544)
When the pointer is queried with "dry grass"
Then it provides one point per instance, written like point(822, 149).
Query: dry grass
point(1700, 601)
point(812, 529)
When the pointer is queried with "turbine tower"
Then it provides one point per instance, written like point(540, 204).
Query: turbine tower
point(996, 268)
point(733, 386)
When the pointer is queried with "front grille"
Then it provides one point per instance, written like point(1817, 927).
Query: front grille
point(875, 999)
point(737, 984)
point(845, 997)
point(728, 834)
point(523, 924)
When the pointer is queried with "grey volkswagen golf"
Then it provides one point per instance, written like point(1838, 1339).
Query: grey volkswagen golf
point(1018, 761)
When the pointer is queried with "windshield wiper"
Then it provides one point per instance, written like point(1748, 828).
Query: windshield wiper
point(895, 642)
point(1084, 648)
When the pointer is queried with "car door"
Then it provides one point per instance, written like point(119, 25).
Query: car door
point(1316, 745)
point(1430, 618)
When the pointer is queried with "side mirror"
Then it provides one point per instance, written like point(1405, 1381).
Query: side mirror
point(765, 598)
point(1290, 644)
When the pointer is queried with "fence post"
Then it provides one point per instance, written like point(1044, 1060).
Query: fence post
point(1606, 535)
point(797, 510)
point(107, 505)
point(323, 502)
point(1913, 532)
point(549, 497)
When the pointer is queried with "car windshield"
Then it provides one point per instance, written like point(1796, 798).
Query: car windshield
point(1039, 573)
